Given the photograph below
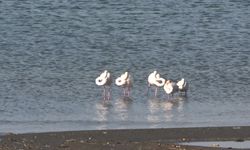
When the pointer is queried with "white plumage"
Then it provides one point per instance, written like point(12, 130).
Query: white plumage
point(154, 79)
point(125, 81)
point(170, 87)
point(105, 80)
point(182, 86)
point(159, 81)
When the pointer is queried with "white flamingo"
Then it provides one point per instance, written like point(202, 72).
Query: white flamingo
point(105, 80)
point(170, 88)
point(182, 86)
point(154, 79)
point(125, 81)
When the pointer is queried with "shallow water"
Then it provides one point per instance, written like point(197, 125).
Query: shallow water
point(52, 51)
point(224, 144)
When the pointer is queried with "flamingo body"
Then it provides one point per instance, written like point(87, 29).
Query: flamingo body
point(182, 85)
point(125, 81)
point(154, 79)
point(105, 80)
point(170, 87)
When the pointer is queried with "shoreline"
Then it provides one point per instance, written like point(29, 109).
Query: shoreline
point(162, 138)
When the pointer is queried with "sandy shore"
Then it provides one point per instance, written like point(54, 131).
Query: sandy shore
point(124, 139)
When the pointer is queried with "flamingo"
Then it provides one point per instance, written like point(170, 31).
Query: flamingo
point(155, 80)
point(182, 86)
point(125, 81)
point(170, 87)
point(105, 80)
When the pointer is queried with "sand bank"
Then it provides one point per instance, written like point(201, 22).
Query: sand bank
point(125, 139)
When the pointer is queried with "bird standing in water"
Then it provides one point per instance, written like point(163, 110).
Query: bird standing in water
point(182, 86)
point(154, 79)
point(170, 88)
point(105, 80)
point(125, 82)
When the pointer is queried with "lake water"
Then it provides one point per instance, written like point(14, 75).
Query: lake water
point(51, 51)
point(222, 144)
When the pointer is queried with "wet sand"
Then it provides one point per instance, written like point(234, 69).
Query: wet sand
point(125, 139)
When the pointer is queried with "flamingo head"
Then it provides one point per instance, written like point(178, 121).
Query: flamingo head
point(100, 81)
point(103, 78)
point(120, 82)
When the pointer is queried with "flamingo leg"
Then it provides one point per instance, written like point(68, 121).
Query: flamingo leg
point(124, 92)
point(185, 93)
point(109, 93)
point(156, 89)
point(127, 92)
point(104, 92)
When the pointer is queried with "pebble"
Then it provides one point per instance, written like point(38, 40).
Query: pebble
point(104, 132)
point(70, 140)
point(47, 146)
point(215, 145)
point(236, 128)
point(82, 141)
point(63, 146)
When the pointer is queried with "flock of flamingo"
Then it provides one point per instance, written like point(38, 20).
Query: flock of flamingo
point(154, 79)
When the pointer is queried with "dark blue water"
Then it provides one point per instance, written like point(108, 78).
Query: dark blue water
point(51, 51)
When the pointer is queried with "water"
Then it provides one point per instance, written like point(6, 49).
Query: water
point(225, 144)
point(52, 51)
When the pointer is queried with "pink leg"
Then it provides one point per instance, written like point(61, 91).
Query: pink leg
point(128, 92)
point(109, 93)
point(156, 91)
point(124, 92)
point(104, 92)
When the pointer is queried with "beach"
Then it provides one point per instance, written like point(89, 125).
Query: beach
point(163, 138)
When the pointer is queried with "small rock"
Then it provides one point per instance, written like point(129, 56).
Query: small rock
point(47, 146)
point(215, 145)
point(118, 142)
point(63, 146)
point(236, 128)
point(70, 140)
point(240, 140)
point(82, 141)
point(104, 132)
